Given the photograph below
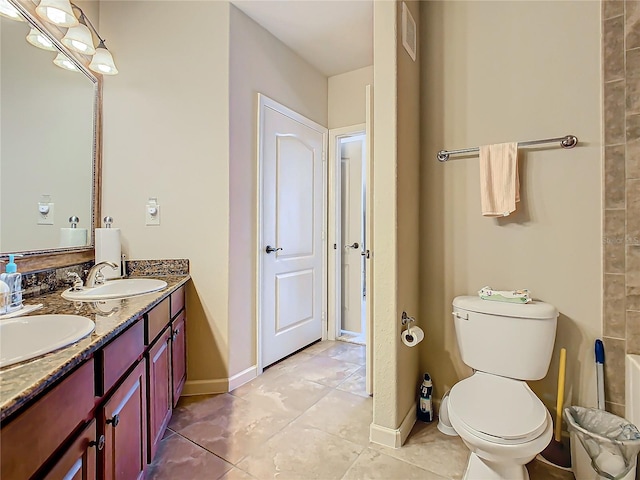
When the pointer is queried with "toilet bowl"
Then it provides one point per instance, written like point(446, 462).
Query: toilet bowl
point(503, 424)
point(499, 418)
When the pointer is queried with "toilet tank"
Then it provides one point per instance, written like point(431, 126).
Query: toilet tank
point(506, 339)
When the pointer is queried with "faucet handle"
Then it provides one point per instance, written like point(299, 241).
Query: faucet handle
point(99, 278)
point(77, 281)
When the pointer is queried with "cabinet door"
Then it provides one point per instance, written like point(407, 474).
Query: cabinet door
point(160, 389)
point(179, 355)
point(79, 461)
point(124, 418)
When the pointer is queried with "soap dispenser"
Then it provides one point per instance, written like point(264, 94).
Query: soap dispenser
point(13, 279)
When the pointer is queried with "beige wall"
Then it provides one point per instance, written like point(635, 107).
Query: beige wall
point(498, 72)
point(204, 173)
point(347, 100)
point(408, 203)
point(259, 63)
point(166, 135)
point(395, 220)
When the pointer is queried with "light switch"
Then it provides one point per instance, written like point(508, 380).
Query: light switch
point(152, 212)
point(45, 213)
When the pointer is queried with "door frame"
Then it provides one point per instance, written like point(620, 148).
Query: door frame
point(335, 227)
point(264, 102)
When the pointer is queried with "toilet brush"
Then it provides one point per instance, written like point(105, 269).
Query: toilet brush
point(556, 453)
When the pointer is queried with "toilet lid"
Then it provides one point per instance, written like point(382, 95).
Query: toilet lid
point(498, 407)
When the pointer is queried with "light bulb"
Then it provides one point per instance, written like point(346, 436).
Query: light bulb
point(9, 11)
point(63, 62)
point(37, 39)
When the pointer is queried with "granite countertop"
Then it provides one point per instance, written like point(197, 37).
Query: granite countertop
point(21, 382)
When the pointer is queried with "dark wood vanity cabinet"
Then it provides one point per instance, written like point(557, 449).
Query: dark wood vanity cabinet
point(106, 419)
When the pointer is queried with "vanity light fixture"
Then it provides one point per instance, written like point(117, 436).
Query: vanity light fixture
point(9, 11)
point(79, 36)
point(37, 39)
point(58, 12)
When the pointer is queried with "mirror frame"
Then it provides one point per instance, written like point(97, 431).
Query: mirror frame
point(59, 257)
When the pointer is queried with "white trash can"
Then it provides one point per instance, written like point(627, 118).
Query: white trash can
point(603, 446)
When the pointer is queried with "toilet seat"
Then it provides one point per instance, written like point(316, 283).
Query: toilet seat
point(498, 409)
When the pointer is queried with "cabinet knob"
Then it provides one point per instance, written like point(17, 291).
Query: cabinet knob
point(176, 332)
point(99, 444)
point(114, 420)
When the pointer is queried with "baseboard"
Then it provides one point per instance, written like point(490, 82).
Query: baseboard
point(243, 377)
point(205, 387)
point(219, 385)
point(393, 437)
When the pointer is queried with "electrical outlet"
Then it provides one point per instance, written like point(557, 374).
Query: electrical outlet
point(45, 214)
point(152, 214)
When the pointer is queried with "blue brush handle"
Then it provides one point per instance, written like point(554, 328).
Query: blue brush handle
point(600, 373)
point(599, 352)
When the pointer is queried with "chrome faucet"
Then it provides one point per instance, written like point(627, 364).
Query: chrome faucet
point(95, 276)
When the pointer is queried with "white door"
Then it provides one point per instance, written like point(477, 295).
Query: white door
point(353, 293)
point(292, 250)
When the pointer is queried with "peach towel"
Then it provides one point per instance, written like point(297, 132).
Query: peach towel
point(499, 182)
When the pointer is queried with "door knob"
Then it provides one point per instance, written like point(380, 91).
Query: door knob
point(354, 245)
point(270, 249)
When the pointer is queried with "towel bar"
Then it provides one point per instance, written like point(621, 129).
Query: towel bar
point(568, 141)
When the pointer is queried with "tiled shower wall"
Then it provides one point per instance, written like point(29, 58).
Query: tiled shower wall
point(621, 76)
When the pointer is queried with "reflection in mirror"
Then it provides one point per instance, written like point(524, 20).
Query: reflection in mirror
point(47, 152)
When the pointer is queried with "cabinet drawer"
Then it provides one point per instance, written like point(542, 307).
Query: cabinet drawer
point(177, 301)
point(157, 319)
point(120, 354)
point(30, 439)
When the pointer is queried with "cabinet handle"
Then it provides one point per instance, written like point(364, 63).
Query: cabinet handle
point(114, 420)
point(176, 332)
point(99, 444)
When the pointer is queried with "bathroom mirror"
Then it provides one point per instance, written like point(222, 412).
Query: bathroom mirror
point(49, 167)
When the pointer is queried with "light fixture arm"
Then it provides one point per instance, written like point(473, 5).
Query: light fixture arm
point(84, 19)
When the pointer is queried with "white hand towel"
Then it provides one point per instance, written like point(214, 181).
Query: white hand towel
point(499, 182)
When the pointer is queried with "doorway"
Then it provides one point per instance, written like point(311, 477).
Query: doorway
point(352, 241)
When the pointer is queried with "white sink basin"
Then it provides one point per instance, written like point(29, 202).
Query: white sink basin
point(28, 337)
point(126, 287)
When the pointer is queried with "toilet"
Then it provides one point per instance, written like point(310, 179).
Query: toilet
point(499, 418)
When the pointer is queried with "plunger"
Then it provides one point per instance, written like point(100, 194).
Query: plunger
point(556, 454)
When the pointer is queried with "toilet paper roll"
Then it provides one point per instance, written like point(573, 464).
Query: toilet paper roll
point(108, 249)
point(412, 336)
point(73, 237)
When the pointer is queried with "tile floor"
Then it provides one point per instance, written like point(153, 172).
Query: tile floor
point(306, 417)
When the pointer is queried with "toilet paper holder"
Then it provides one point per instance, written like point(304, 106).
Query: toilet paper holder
point(406, 319)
